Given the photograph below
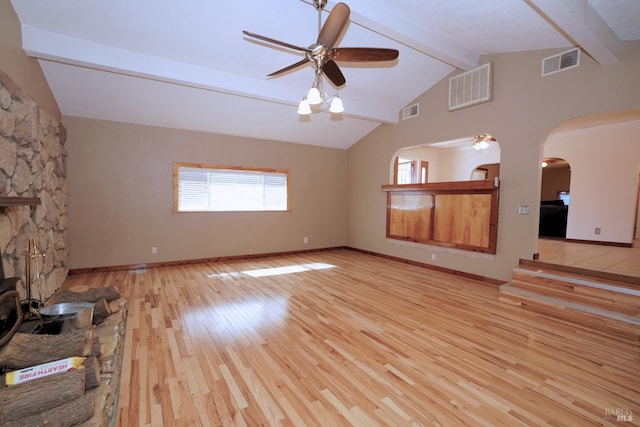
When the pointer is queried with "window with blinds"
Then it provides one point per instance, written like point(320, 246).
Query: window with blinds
point(202, 188)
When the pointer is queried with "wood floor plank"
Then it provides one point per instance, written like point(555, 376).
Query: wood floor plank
point(344, 338)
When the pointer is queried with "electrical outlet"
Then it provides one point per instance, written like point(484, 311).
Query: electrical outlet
point(433, 257)
point(597, 230)
point(523, 210)
point(305, 240)
point(154, 250)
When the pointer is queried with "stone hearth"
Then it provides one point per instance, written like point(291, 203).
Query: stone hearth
point(110, 334)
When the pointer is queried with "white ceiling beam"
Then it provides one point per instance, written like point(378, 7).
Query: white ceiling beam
point(55, 47)
point(437, 45)
point(581, 23)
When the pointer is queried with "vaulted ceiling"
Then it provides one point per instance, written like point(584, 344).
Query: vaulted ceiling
point(187, 65)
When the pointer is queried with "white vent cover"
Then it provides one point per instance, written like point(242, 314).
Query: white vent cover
point(560, 62)
point(410, 111)
point(470, 88)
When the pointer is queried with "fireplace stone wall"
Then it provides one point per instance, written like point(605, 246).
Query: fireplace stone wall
point(32, 164)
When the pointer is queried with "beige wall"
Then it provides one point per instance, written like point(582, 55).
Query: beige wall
point(23, 70)
point(554, 180)
point(120, 187)
point(525, 109)
point(120, 179)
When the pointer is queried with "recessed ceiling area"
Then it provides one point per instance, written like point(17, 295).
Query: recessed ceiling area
point(187, 65)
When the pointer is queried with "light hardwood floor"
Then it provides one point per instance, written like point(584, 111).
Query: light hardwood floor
point(342, 338)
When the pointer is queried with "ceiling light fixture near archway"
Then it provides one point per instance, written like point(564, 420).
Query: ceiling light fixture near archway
point(554, 162)
point(481, 141)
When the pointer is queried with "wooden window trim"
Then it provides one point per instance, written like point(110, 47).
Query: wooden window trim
point(178, 165)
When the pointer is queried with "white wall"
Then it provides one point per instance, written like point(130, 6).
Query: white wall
point(420, 152)
point(604, 179)
point(457, 165)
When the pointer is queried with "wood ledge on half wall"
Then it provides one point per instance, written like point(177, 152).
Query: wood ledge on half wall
point(444, 186)
point(477, 277)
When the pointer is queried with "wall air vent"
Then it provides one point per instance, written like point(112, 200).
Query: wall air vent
point(410, 111)
point(470, 88)
point(560, 62)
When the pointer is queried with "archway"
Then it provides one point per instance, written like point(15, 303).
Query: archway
point(604, 155)
point(439, 205)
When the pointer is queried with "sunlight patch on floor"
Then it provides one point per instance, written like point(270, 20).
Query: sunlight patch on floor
point(299, 268)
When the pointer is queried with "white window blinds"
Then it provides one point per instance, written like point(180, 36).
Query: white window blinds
point(219, 189)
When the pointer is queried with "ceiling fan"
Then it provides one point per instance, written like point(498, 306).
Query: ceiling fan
point(323, 54)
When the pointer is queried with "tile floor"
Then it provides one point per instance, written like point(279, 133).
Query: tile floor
point(610, 259)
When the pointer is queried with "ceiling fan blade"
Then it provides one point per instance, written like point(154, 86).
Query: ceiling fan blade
point(274, 41)
point(334, 25)
point(289, 68)
point(333, 73)
point(363, 54)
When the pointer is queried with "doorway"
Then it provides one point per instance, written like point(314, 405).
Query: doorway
point(555, 198)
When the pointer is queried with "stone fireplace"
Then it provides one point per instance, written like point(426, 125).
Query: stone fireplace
point(33, 220)
point(32, 165)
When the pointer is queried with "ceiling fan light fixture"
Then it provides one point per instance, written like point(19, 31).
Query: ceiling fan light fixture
point(481, 141)
point(304, 109)
point(480, 145)
point(323, 55)
point(336, 106)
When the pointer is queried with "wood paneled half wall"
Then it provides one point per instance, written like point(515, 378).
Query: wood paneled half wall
point(461, 214)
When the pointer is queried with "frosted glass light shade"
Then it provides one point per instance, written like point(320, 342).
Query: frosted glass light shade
point(303, 108)
point(336, 105)
point(313, 98)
